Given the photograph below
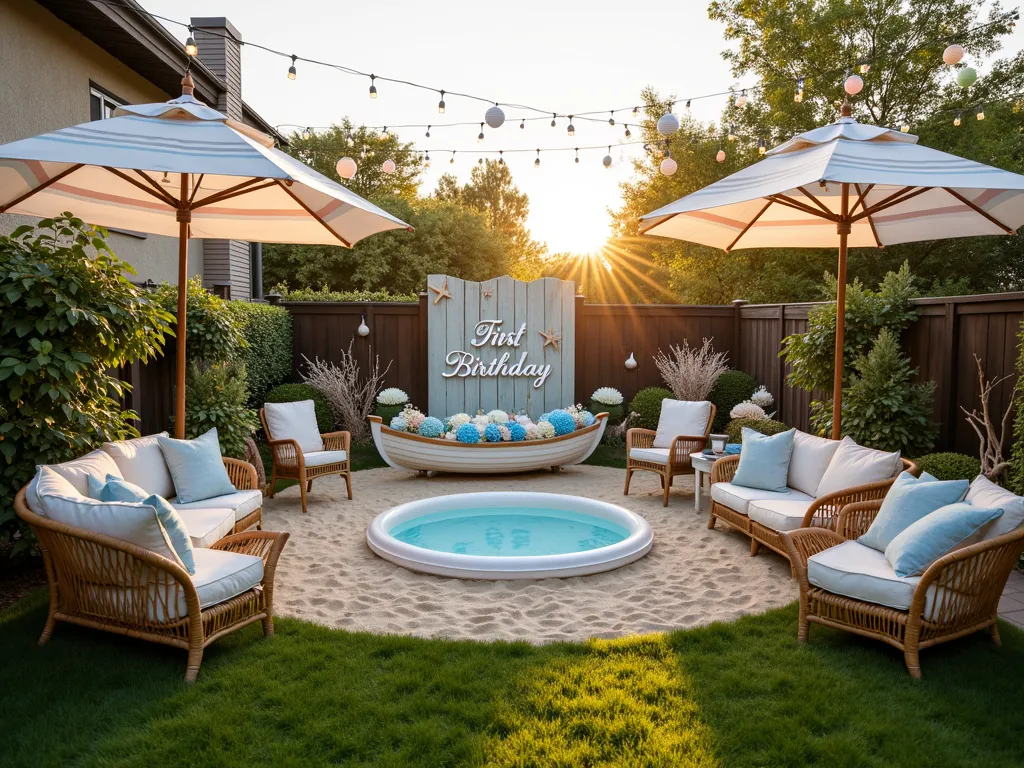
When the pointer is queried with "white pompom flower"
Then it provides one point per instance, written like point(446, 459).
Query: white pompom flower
point(607, 396)
point(392, 396)
point(762, 397)
point(497, 417)
point(458, 420)
point(748, 410)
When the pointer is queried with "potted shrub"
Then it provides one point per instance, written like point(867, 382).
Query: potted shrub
point(609, 400)
point(390, 403)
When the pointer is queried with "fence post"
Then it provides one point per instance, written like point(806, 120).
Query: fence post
point(737, 333)
point(781, 369)
point(948, 406)
point(424, 378)
point(579, 362)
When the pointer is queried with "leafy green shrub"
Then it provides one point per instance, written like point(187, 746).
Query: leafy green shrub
point(731, 389)
point(267, 352)
point(950, 466)
point(647, 405)
point(292, 393)
point(882, 407)
point(211, 333)
point(215, 396)
point(765, 426)
point(326, 294)
point(68, 315)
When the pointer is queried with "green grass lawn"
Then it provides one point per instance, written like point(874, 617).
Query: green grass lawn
point(739, 694)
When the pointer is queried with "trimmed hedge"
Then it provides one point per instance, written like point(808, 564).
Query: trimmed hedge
point(647, 405)
point(950, 466)
point(292, 393)
point(326, 294)
point(765, 426)
point(731, 389)
point(267, 353)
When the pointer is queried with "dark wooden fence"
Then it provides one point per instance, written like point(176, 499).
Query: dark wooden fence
point(942, 344)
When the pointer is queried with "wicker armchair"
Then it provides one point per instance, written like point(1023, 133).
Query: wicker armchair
point(824, 512)
point(678, 455)
point(965, 584)
point(243, 476)
point(289, 463)
point(105, 583)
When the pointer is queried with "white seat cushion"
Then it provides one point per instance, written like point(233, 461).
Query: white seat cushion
point(854, 465)
point(657, 455)
point(738, 497)
point(680, 417)
point(239, 502)
point(294, 421)
point(141, 461)
point(207, 526)
point(319, 458)
point(809, 460)
point(854, 570)
point(779, 514)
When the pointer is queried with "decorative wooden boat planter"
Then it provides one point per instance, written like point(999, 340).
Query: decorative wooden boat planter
point(403, 450)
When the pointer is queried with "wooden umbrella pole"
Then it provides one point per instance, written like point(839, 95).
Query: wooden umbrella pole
point(184, 218)
point(843, 229)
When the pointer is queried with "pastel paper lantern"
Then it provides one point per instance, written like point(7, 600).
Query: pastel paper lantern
point(720, 157)
point(388, 166)
point(668, 166)
point(853, 85)
point(668, 124)
point(346, 167)
point(494, 117)
point(966, 77)
point(953, 54)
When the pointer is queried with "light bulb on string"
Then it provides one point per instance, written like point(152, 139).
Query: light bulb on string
point(553, 116)
point(607, 160)
point(636, 111)
point(571, 130)
point(522, 124)
point(536, 163)
point(480, 136)
point(306, 133)
point(480, 161)
point(905, 127)
point(687, 105)
point(981, 113)
point(799, 95)
point(761, 147)
point(863, 66)
point(577, 155)
point(501, 159)
point(166, 179)
point(428, 131)
point(291, 70)
point(426, 160)
point(190, 43)
point(452, 161)
point(956, 120)
point(732, 133)
point(741, 101)
point(373, 88)
point(628, 134)
point(440, 104)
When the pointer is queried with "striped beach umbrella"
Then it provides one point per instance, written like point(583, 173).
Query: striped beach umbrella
point(184, 170)
point(846, 185)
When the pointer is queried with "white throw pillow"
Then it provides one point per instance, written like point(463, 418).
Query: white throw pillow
point(77, 471)
point(681, 417)
point(294, 421)
point(135, 523)
point(142, 462)
point(854, 465)
point(984, 493)
point(811, 457)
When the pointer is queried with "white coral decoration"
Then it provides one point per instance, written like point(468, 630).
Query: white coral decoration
point(545, 429)
point(762, 397)
point(449, 436)
point(748, 410)
point(480, 420)
point(524, 420)
point(392, 396)
point(506, 435)
point(497, 417)
point(532, 432)
point(607, 396)
point(481, 428)
point(458, 420)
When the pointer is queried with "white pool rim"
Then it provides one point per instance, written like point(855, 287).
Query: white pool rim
point(459, 566)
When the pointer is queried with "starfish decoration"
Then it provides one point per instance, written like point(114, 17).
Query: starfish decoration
point(442, 292)
point(551, 338)
point(487, 293)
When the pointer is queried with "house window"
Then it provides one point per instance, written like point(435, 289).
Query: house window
point(102, 103)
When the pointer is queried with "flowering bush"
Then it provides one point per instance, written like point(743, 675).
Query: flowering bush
point(392, 396)
point(748, 410)
point(607, 396)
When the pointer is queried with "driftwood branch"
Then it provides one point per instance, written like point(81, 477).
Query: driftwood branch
point(990, 445)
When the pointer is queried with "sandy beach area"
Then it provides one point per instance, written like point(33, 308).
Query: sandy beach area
point(691, 576)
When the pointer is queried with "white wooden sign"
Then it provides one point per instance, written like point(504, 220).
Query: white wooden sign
point(501, 344)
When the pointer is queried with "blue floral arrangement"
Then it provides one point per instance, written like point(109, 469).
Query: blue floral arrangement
point(562, 422)
point(468, 433)
point(431, 427)
point(588, 419)
point(399, 424)
point(492, 434)
point(545, 417)
point(518, 431)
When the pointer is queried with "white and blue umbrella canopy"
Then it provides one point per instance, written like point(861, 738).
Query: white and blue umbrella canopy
point(127, 172)
point(898, 192)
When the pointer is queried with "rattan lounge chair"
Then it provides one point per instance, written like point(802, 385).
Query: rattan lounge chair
point(105, 583)
point(666, 463)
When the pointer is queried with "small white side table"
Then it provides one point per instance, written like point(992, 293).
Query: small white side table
point(701, 469)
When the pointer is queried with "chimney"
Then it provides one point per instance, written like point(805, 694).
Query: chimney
point(220, 49)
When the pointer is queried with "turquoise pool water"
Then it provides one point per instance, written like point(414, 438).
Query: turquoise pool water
point(509, 532)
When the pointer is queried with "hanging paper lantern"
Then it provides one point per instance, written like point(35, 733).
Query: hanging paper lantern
point(607, 161)
point(668, 166)
point(495, 117)
point(388, 166)
point(853, 85)
point(953, 54)
point(720, 157)
point(347, 167)
point(966, 77)
point(668, 124)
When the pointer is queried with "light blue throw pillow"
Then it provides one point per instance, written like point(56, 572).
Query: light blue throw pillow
point(196, 467)
point(118, 489)
point(176, 531)
point(907, 501)
point(928, 539)
point(764, 460)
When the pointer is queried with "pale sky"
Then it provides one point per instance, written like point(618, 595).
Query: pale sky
point(557, 56)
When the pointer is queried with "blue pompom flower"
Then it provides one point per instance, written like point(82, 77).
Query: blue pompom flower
point(544, 417)
point(431, 427)
point(518, 431)
point(562, 422)
point(588, 418)
point(492, 434)
point(468, 434)
point(399, 424)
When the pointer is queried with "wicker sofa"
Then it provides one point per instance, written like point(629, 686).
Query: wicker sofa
point(847, 585)
point(765, 515)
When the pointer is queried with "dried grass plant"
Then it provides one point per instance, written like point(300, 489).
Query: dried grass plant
point(350, 393)
point(690, 372)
